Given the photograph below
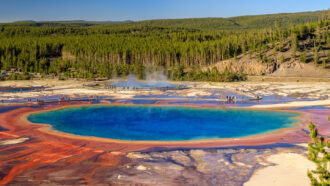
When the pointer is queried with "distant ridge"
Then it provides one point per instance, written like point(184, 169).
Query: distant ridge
point(283, 20)
point(77, 23)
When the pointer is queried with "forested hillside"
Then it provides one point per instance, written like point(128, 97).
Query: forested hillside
point(304, 53)
point(284, 20)
point(179, 47)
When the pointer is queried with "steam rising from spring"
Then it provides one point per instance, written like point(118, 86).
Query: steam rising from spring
point(154, 80)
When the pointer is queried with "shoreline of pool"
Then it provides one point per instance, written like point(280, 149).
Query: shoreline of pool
point(259, 139)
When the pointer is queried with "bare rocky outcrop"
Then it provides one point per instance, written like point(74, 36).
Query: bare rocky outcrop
point(286, 69)
point(68, 56)
point(298, 69)
point(246, 66)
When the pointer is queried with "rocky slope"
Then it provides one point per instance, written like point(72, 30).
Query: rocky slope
point(288, 61)
point(286, 69)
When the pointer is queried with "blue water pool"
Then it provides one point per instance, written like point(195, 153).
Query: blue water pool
point(163, 123)
point(19, 89)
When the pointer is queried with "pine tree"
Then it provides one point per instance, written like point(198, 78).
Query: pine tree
point(294, 45)
point(324, 64)
point(302, 57)
point(318, 152)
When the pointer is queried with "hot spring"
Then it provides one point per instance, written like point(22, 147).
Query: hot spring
point(19, 89)
point(163, 123)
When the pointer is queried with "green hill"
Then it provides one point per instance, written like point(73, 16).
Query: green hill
point(283, 20)
point(69, 23)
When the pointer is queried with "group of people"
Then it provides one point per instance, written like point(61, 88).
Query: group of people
point(231, 98)
point(64, 98)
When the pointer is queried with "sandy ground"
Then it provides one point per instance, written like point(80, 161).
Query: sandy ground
point(13, 141)
point(289, 169)
point(71, 88)
point(295, 104)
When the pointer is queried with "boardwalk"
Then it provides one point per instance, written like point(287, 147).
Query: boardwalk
point(151, 98)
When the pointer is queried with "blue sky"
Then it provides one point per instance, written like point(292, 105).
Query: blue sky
point(119, 10)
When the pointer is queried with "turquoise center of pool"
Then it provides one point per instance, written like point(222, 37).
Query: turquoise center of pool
point(163, 123)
